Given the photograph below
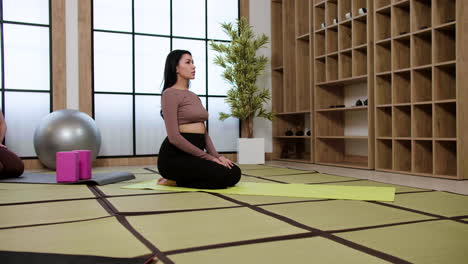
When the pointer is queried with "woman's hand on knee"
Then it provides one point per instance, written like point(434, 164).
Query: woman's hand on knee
point(226, 162)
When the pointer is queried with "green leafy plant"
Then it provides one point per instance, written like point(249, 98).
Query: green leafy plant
point(242, 66)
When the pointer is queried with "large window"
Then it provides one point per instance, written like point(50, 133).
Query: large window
point(25, 70)
point(131, 39)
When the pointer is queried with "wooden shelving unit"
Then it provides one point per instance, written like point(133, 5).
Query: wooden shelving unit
point(406, 57)
point(418, 87)
point(343, 62)
point(291, 80)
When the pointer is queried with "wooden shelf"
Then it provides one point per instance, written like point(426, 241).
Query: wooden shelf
point(287, 137)
point(345, 81)
point(304, 37)
point(293, 113)
point(279, 68)
point(343, 137)
point(354, 108)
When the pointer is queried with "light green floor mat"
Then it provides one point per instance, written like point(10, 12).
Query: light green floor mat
point(289, 190)
point(190, 229)
point(337, 215)
point(168, 202)
point(273, 172)
point(440, 203)
point(115, 189)
point(245, 178)
point(22, 192)
point(398, 188)
point(306, 250)
point(102, 237)
point(254, 167)
point(429, 243)
point(310, 178)
point(260, 199)
point(53, 212)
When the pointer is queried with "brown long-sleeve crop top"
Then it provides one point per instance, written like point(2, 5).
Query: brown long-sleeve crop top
point(184, 107)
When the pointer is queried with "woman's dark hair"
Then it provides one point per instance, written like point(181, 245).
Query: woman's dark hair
point(170, 71)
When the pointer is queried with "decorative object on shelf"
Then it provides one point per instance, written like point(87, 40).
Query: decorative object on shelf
point(308, 133)
point(299, 133)
point(362, 11)
point(366, 102)
point(337, 106)
point(289, 132)
point(323, 25)
point(359, 103)
point(335, 21)
point(242, 67)
point(348, 15)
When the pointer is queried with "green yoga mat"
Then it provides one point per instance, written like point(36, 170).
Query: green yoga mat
point(365, 193)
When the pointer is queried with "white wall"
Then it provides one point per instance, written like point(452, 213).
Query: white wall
point(260, 20)
point(71, 13)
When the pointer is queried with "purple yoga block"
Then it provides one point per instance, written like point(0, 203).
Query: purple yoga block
point(67, 166)
point(84, 157)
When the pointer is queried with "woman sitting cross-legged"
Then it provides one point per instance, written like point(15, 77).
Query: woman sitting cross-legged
point(10, 164)
point(182, 160)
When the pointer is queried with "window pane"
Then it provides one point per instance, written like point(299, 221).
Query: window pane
point(150, 56)
point(112, 62)
point(150, 129)
point(224, 134)
point(27, 61)
point(221, 12)
point(152, 17)
point(216, 84)
point(37, 11)
point(113, 115)
point(112, 15)
point(197, 48)
point(23, 113)
point(188, 18)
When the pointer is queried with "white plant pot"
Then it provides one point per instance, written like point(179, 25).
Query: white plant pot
point(251, 151)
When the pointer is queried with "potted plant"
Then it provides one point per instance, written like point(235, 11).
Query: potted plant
point(242, 66)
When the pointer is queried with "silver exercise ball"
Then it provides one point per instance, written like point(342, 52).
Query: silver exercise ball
point(65, 130)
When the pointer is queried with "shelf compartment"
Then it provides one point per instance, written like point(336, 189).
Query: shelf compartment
point(383, 25)
point(445, 120)
point(383, 57)
point(302, 17)
point(445, 84)
point(345, 65)
point(359, 62)
point(335, 152)
point(292, 122)
point(332, 67)
point(319, 15)
point(401, 19)
point(277, 34)
point(422, 119)
point(302, 75)
point(402, 155)
point(421, 14)
point(382, 3)
point(422, 48)
point(358, 4)
point(444, 11)
point(446, 158)
point(444, 39)
point(402, 121)
point(330, 123)
point(422, 85)
point(344, 7)
point(320, 69)
point(297, 149)
point(277, 91)
point(402, 87)
point(359, 29)
point(383, 89)
point(384, 121)
point(332, 40)
point(422, 156)
point(332, 12)
point(319, 43)
point(384, 154)
point(401, 53)
point(344, 33)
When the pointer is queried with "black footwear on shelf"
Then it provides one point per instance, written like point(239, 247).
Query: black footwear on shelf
point(358, 102)
point(366, 102)
point(299, 133)
point(289, 133)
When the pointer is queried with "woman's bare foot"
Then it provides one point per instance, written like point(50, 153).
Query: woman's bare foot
point(166, 182)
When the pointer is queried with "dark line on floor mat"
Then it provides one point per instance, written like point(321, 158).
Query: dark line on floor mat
point(56, 223)
point(13, 257)
point(415, 192)
point(266, 179)
point(176, 211)
point(380, 226)
point(319, 232)
point(409, 210)
point(151, 170)
point(280, 174)
point(334, 181)
point(241, 243)
point(49, 201)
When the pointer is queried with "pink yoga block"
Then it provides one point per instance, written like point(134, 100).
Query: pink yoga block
point(84, 161)
point(67, 166)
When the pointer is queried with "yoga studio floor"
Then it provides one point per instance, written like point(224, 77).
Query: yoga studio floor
point(42, 223)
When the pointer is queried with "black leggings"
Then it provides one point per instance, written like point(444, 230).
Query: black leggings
point(10, 164)
point(190, 171)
